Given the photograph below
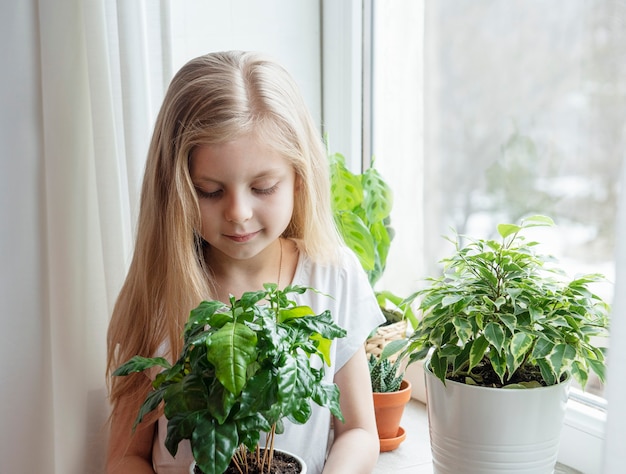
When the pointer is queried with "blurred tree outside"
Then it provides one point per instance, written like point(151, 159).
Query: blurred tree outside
point(525, 113)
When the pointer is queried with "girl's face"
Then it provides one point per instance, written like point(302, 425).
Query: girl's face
point(246, 195)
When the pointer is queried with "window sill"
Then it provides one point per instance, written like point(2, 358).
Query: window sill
point(582, 438)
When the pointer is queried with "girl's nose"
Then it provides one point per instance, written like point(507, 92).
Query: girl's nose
point(238, 208)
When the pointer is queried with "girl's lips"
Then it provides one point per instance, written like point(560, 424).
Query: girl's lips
point(242, 237)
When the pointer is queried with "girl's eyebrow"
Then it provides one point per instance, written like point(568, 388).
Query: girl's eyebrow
point(270, 173)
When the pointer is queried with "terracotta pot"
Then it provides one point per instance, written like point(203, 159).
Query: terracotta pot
point(389, 407)
point(389, 444)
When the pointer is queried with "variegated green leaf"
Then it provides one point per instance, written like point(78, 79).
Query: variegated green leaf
point(561, 357)
point(520, 344)
point(463, 328)
point(579, 373)
point(477, 352)
point(495, 335)
point(498, 362)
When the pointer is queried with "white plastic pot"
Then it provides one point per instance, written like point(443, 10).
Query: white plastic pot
point(479, 430)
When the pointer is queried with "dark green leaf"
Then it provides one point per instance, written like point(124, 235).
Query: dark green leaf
point(579, 372)
point(152, 401)
point(300, 411)
point(598, 367)
point(547, 371)
point(139, 364)
point(213, 445)
point(543, 347)
point(231, 350)
point(186, 396)
point(180, 427)
point(259, 394)
point(327, 395)
point(207, 313)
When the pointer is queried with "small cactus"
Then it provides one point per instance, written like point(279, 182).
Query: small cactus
point(384, 374)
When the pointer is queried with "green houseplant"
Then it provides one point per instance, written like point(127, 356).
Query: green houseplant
point(503, 315)
point(243, 370)
point(391, 392)
point(362, 205)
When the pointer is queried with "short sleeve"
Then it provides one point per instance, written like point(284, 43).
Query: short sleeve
point(346, 292)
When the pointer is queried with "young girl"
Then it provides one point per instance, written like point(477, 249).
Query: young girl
point(236, 194)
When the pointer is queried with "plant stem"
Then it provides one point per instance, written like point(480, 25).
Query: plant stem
point(238, 454)
point(268, 455)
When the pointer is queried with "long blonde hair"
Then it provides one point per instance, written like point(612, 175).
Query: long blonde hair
point(213, 99)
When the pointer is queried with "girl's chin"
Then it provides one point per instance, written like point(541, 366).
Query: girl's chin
point(241, 250)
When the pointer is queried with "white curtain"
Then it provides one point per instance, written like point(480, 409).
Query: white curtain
point(78, 95)
point(80, 86)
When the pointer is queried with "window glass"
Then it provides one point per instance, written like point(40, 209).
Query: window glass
point(524, 113)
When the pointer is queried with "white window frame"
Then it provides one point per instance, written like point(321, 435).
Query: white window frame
point(342, 78)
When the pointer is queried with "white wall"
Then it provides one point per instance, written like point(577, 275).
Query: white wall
point(318, 41)
point(287, 30)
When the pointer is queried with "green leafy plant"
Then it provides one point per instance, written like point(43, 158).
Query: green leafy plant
point(362, 205)
point(503, 315)
point(243, 370)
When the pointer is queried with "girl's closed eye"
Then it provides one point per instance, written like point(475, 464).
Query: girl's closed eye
point(208, 194)
point(266, 190)
point(260, 190)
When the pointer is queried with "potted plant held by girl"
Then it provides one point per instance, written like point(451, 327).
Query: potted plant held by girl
point(243, 370)
point(506, 333)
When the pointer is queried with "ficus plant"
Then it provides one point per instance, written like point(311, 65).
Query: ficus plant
point(502, 314)
point(244, 369)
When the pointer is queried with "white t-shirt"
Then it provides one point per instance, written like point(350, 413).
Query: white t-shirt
point(353, 306)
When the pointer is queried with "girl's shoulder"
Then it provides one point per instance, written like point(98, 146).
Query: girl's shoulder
point(344, 269)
